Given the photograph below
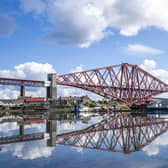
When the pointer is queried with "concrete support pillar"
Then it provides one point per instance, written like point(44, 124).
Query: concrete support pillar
point(21, 129)
point(52, 89)
point(22, 91)
point(51, 128)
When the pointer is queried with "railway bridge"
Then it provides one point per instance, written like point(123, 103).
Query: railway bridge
point(125, 82)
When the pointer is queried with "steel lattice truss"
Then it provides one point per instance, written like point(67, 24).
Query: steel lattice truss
point(122, 134)
point(125, 82)
point(21, 82)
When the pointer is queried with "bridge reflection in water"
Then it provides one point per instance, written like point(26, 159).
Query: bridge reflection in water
point(118, 133)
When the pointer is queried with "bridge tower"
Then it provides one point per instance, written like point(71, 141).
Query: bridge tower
point(51, 129)
point(52, 88)
point(22, 91)
point(21, 129)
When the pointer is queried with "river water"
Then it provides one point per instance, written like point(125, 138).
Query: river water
point(85, 141)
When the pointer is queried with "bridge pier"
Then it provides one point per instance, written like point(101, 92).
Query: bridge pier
point(51, 128)
point(52, 89)
point(22, 91)
point(21, 129)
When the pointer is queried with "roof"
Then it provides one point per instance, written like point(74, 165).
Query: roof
point(37, 99)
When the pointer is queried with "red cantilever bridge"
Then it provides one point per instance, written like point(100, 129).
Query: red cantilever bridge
point(125, 82)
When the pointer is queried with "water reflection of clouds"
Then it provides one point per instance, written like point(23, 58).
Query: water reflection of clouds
point(7, 129)
point(12, 128)
point(37, 149)
point(153, 148)
point(27, 150)
point(64, 127)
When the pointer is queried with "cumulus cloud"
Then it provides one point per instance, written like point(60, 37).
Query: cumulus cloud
point(7, 25)
point(82, 23)
point(78, 68)
point(35, 6)
point(76, 23)
point(142, 49)
point(151, 67)
point(28, 70)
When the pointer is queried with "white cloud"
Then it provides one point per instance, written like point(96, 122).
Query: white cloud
point(162, 74)
point(76, 23)
point(28, 70)
point(148, 65)
point(36, 6)
point(13, 92)
point(78, 68)
point(151, 67)
point(142, 49)
point(7, 25)
point(81, 23)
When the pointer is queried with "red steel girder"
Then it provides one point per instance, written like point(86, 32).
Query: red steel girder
point(125, 82)
point(21, 82)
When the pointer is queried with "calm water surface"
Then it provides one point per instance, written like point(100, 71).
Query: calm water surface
point(105, 141)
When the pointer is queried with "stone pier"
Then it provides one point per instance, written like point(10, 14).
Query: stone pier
point(52, 88)
point(22, 91)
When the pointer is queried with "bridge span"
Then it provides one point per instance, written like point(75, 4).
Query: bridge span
point(125, 82)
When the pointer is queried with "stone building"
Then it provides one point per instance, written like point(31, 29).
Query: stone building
point(74, 100)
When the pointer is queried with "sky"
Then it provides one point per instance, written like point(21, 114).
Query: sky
point(46, 36)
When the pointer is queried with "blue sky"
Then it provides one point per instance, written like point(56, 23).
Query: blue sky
point(69, 34)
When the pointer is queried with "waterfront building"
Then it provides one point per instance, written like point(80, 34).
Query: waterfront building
point(74, 100)
point(159, 103)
